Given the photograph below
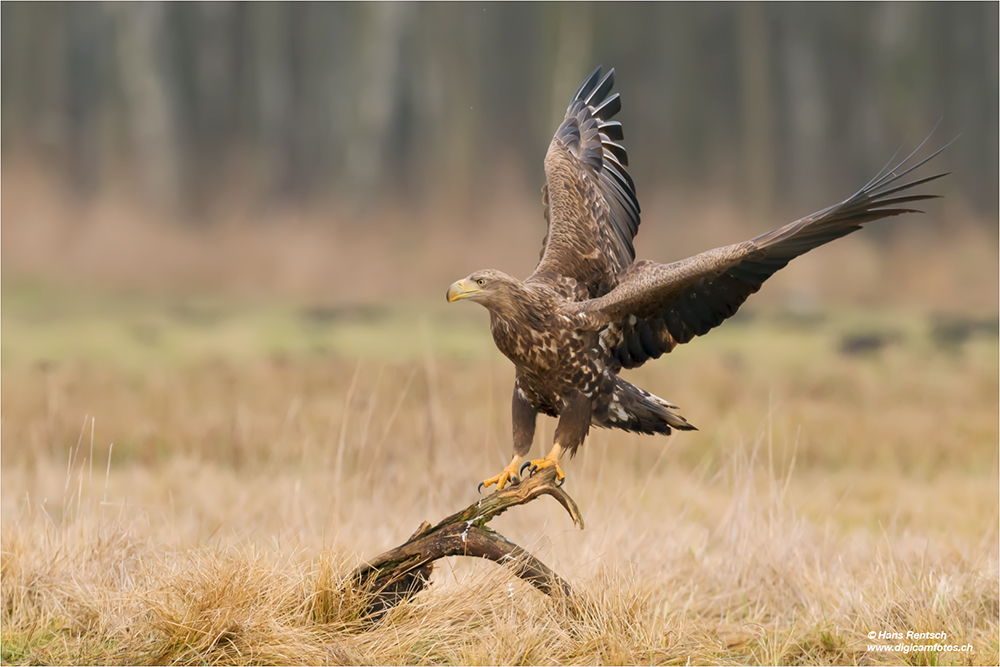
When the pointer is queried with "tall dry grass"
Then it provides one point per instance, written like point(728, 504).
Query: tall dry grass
point(826, 496)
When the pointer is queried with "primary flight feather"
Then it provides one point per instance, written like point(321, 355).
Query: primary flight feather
point(590, 309)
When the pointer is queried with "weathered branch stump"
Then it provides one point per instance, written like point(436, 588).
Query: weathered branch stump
point(400, 573)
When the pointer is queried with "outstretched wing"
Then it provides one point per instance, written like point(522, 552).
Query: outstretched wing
point(655, 307)
point(591, 208)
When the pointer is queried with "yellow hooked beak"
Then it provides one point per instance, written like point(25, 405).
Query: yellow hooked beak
point(462, 289)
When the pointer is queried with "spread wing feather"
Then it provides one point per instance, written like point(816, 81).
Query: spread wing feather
point(655, 307)
point(590, 204)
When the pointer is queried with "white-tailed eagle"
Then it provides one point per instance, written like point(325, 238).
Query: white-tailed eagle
point(590, 310)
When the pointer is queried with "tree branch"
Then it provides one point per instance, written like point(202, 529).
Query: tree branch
point(400, 573)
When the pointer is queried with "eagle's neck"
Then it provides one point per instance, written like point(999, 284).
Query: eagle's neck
point(522, 305)
point(524, 326)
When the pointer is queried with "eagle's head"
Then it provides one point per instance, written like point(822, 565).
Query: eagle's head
point(488, 287)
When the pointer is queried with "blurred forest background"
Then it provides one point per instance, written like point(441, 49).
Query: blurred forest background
point(183, 144)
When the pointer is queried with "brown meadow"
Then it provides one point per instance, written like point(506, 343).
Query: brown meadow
point(834, 489)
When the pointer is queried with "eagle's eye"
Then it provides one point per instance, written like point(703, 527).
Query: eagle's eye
point(480, 281)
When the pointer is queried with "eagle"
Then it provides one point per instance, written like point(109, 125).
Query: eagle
point(590, 310)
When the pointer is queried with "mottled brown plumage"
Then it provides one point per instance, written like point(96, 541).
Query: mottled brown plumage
point(590, 310)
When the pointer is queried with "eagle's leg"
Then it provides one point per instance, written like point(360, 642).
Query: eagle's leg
point(573, 426)
point(508, 474)
point(523, 418)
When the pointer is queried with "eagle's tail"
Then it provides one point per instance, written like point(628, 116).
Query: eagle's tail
point(632, 408)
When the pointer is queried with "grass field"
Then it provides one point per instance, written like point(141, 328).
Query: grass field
point(187, 481)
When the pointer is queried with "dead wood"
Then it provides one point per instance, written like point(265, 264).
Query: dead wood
point(400, 573)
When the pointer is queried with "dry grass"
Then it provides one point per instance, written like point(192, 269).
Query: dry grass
point(826, 496)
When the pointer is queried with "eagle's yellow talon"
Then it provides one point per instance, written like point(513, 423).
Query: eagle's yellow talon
point(542, 464)
point(508, 474)
point(551, 459)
